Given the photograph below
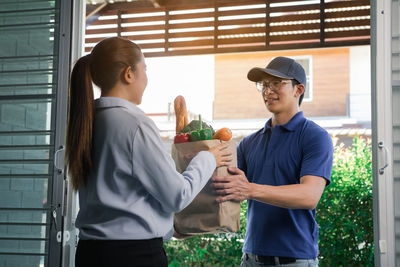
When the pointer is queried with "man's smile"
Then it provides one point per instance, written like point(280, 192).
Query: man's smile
point(270, 99)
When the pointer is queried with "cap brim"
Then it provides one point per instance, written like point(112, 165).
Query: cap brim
point(257, 74)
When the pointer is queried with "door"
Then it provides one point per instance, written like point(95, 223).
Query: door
point(385, 52)
point(34, 67)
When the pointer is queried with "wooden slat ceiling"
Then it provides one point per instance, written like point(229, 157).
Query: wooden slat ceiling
point(183, 27)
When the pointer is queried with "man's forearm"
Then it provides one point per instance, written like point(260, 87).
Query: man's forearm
point(296, 196)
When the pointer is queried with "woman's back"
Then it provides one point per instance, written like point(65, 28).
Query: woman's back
point(125, 197)
point(128, 186)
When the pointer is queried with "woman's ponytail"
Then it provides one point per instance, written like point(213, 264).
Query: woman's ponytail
point(80, 123)
point(103, 67)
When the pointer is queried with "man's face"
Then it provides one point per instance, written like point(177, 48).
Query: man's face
point(279, 95)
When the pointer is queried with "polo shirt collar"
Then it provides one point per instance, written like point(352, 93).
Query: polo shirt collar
point(290, 126)
point(110, 102)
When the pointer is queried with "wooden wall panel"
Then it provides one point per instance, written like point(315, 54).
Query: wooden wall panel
point(237, 98)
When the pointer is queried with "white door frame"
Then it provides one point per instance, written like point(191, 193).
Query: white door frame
point(70, 196)
point(382, 140)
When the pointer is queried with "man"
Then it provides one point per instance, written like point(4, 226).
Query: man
point(282, 171)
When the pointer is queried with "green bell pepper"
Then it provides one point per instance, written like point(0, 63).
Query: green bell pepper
point(201, 134)
point(206, 134)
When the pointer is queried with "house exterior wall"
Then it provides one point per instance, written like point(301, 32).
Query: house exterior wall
point(360, 83)
point(236, 97)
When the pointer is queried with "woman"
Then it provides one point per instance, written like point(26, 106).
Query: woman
point(128, 185)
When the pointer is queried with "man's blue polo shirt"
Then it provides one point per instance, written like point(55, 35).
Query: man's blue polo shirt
point(281, 156)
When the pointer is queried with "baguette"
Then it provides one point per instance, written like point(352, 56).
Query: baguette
point(180, 113)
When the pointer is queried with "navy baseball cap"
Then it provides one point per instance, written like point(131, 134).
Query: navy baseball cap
point(281, 67)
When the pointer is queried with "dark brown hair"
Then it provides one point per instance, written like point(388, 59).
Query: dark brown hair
point(103, 66)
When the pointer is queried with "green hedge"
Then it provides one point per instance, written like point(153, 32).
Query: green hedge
point(344, 215)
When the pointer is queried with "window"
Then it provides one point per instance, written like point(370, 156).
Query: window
point(306, 62)
point(30, 188)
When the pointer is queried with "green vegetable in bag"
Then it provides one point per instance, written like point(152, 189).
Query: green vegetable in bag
point(200, 133)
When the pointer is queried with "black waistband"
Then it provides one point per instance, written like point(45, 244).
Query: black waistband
point(137, 242)
point(270, 260)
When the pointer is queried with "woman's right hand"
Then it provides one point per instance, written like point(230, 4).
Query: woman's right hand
point(222, 155)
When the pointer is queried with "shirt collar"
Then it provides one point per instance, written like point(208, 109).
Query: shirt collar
point(290, 126)
point(110, 102)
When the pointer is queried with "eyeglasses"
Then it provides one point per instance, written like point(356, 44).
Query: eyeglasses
point(273, 85)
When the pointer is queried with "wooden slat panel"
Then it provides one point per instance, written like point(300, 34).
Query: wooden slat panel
point(281, 1)
point(242, 12)
point(105, 22)
point(241, 21)
point(189, 7)
point(135, 38)
point(317, 44)
point(301, 17)
point(192, 43)
point(126, 8)
point(353, 3)
point(347, 33)
point(286, 9)
point(242, 30)
point(94, 40)
point(290, 41)
point(153, 45)
point(240, 3)
point(293, 37)
point(243, 48)
point(349, 23)
point(99, 31)
point(143, 19)
point(191, 15)
point(260, 39)
point(238, 49)
point(143, 28)
point(195, 49)
point(335, 4)
point(298, 27)
point(349, 13)
point(180, 52)
point(146, 36)
point(106, 12)
point(191, 25)
point(191, 34)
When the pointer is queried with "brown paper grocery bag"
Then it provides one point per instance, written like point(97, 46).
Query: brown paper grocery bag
point(205, 215)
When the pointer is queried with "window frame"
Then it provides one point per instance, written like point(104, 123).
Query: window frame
point(309, 77)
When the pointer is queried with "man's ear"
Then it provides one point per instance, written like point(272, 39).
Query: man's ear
point(128, 76)
point(299, 89)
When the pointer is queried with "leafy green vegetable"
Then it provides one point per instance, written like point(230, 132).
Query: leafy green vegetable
point(194, 126)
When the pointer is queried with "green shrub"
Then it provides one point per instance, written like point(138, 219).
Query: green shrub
point(344, 213)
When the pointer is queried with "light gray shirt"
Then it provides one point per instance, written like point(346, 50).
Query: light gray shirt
point(133, 188)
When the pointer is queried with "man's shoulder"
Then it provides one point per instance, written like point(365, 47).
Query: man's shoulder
point(309, 127)
point(253, 136)
point(312, 133)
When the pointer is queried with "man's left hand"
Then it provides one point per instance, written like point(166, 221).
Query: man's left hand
point(232, 187)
